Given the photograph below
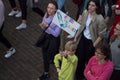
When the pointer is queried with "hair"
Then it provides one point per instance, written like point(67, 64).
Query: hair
point(71, 45)
point(105, 49)
point(97, 3)
point(113, 37)
point(55, 4)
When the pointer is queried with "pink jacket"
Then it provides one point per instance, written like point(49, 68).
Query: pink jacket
point(98, 71)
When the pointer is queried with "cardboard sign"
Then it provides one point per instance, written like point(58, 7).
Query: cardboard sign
point(66, 23)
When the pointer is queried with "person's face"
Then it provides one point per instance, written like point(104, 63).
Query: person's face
point(51, 9)
point(99, 55)
point(117, 30)
point(70, 51)
point(92, 7)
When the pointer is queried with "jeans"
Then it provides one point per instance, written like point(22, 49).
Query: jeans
point(61, 5)
point(12, 3)
point(36, 9)
point(23, 7)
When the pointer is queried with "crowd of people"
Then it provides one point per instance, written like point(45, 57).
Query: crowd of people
point(90, 54)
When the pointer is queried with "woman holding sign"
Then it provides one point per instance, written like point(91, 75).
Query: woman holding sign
point(91, 32)
point(52, 41)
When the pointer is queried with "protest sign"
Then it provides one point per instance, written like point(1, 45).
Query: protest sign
point(66, 23)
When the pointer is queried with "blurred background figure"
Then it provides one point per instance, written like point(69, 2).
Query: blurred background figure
point(23, 7)
point(15, 11)
point(116, 10)
point(11, 50)
point(115, 50)
point(61, 4)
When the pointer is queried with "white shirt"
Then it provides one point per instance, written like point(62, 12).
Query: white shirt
point(87, 31)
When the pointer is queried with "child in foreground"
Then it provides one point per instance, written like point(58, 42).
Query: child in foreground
point(66, 62)
point(99, 66)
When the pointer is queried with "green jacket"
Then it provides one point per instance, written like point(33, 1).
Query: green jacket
point(68, 66)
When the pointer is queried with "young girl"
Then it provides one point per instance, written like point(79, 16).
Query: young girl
point(99, 66)
point(52, 41)
point(68, 62)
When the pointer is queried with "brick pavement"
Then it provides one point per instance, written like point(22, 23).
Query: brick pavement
point(27, 63)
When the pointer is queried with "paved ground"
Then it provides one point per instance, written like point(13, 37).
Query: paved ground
point(27, 63)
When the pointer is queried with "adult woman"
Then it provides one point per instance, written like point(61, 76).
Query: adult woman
point(99, 66)
point(115, 50)
point(52, 42)
point(89, 35)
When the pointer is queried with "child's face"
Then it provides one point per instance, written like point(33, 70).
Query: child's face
point(99, 55)
point(70, 51)
point(51, 9)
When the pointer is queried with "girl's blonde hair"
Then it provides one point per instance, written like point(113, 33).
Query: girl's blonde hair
point(71, 45)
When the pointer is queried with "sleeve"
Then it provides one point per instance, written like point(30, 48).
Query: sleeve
point(81, 22)
point(56, 60)
point(55, 32)
point(85, 12)
point(88, 68)
point(107, 72)
point(101, 26)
